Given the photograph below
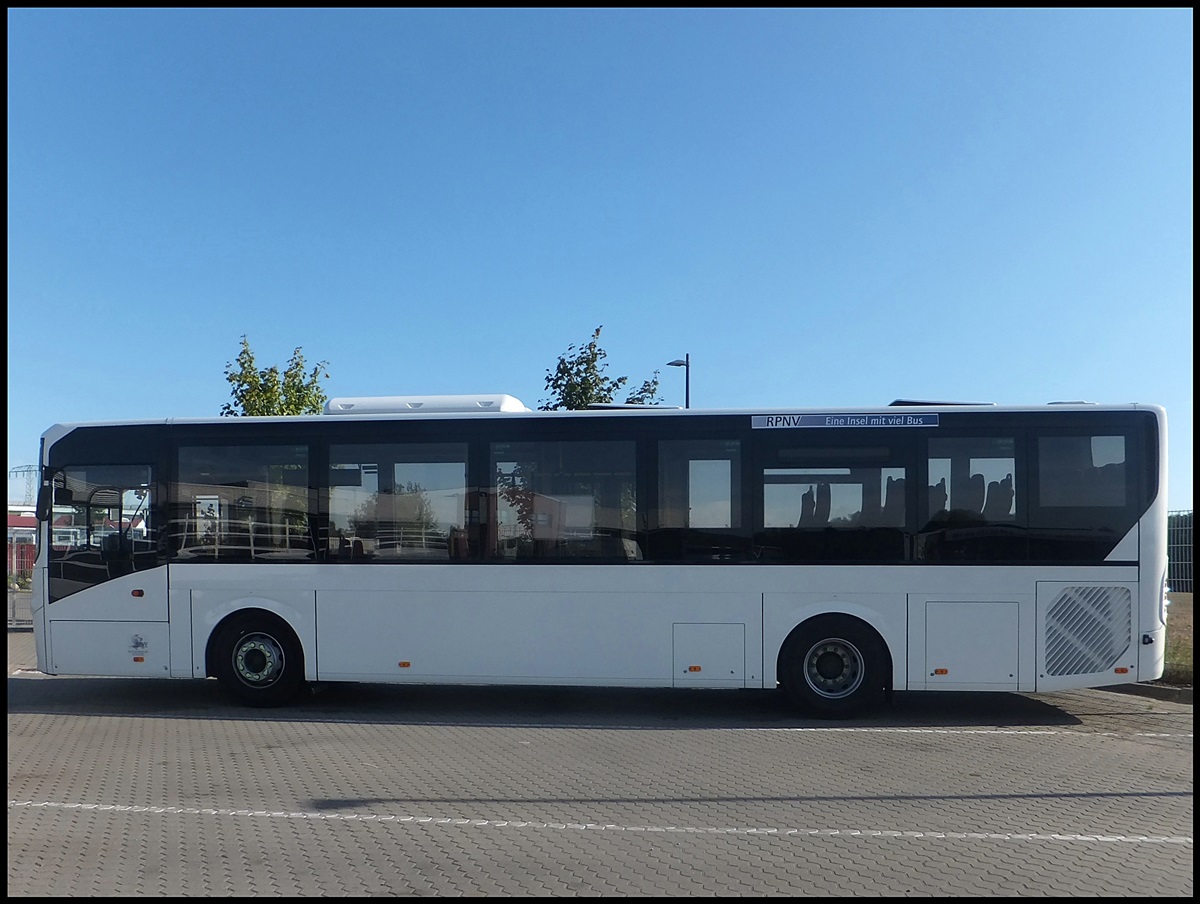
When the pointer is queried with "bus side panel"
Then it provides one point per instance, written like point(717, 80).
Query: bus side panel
point(1152, 614)
point(114, 649)
point(522, 625)
point(37, 604)
point(117, 629)
point(140, 596)
point(1087, 634)
point(179, 610)
point(970, 642)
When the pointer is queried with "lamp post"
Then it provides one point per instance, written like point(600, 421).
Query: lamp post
point(686, 363)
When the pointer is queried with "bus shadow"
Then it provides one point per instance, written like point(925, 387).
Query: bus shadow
point(548, 707)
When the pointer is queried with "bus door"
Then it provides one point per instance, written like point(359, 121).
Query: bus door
point(106, 581)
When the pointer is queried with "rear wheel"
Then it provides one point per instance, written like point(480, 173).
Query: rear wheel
point(259, 661)
point(834, 666)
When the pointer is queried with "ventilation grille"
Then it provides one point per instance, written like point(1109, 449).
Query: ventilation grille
point(1088, 629)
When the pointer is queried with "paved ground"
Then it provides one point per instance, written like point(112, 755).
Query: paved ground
point(163, 788)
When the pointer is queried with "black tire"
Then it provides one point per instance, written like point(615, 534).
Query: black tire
point(834, 666)
point(258, 659)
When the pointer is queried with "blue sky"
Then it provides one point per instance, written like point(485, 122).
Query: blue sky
point(820, 207)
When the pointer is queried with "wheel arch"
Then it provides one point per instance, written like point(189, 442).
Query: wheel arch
point(858, 617)
point(212, 608)
point(264, 616)
point(888, 618)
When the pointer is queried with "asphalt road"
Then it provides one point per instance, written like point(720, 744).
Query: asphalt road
point(163, 788)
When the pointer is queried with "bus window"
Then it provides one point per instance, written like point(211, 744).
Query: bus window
point(699, 514)
point(106, 530)
point(1084, 495)
point(1081, 471)
point(970, 501)
point(812, 497)
point(832, 503)
point(972, 479)
point(241, 504)
point(557, 501)
point(398, 502)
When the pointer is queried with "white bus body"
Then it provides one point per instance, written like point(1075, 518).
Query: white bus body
point(1053, 593)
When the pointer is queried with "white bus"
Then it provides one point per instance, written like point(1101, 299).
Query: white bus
point(837, 554)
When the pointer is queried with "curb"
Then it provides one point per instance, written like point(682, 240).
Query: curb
point(1157, 691)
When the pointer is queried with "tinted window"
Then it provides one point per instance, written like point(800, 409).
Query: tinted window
point(398, 502)
point(103, 525)
point(832, 503)
point(242, 503)
point(557, 501)
point(969, 502)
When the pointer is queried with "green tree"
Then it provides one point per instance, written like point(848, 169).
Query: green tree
point(646, 394)
point(578, 380)
point(268, 392)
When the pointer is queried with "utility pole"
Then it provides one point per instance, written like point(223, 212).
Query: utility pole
point(29, 472)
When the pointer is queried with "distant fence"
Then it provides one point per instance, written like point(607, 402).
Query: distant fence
point(1179, 568)
point(20, 615)
point(1179, 551)
point(20, 559)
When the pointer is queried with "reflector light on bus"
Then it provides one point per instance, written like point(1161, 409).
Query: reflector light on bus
point(139, 658)
point(404, 665)
point(693, 668)
point(139, 593)
point(1121, 670)
point(941, 671)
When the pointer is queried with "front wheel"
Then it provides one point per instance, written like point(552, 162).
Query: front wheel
point(834, 666)
point(259, 661)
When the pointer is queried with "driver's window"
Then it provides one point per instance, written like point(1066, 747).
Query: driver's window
point(102, 525)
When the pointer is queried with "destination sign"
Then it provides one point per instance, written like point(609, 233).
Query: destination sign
point(775, 421)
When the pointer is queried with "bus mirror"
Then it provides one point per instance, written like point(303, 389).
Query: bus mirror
point(63, 496)
point(44, 502)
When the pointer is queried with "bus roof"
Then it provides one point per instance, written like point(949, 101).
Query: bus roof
point(447, 407)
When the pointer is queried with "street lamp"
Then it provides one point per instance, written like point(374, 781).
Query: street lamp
point(686, 363)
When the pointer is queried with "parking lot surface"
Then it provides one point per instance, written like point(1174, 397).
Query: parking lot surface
point(165, 788)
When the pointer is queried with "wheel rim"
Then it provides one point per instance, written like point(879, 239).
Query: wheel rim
point(258, 660)
point(833, 668)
